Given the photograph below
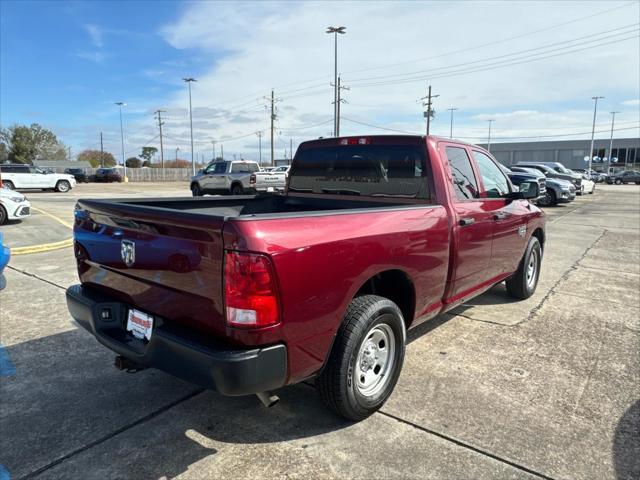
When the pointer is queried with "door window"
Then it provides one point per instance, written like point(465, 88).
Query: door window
point(464, 181)
point(495, 183)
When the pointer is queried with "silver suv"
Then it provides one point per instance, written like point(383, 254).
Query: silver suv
point(232, 177)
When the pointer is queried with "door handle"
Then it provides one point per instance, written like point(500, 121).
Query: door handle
point(499, 216)
point(466, 221)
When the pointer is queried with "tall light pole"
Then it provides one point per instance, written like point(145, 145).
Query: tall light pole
point(259, 134)
point(335, 31)
point(124, 164)
point(593, 128)
point(177, 148)
point(491, 120)
point(452, 109)
point(189, 80)
point(613, 120)
point(213, 149)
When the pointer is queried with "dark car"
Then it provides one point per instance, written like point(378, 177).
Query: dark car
point(78, 174)
point(628, 176)
point(518, 177)
point(557, 172)
point(107, 175)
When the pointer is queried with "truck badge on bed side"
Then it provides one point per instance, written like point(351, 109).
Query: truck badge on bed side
point(128, 252)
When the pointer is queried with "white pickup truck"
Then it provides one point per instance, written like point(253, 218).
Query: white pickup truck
point(22, 176)
point(236, 178)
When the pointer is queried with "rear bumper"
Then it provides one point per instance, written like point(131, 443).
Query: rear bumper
point(211, 365)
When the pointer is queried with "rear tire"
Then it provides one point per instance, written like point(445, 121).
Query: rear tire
point(236, 189)
point(63, 186)
point(3, 215)
point(523, 283)
point(8, 184)
point(366, 359)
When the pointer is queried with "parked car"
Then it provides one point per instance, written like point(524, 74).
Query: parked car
point(106, 175)
point(22, 176)
point(588, 185)
point(78, 173)
point(557, 190)
point(627, 176)
point(375, 235)
point(519, 177)
point(235, 178)
point(5, 255)
point(553, 173)
point(13, 206)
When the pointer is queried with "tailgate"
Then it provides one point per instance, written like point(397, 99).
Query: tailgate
point(266, 179)
point(164, 262)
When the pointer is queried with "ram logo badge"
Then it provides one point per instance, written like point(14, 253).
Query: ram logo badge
point(128, 252)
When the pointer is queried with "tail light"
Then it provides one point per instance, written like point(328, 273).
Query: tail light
point(251, 297)
point(252, 178)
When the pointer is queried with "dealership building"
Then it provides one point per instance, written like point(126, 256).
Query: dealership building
point(572, 153)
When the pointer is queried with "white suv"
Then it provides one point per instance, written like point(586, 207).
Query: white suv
point(19, 175)
point(13, 206)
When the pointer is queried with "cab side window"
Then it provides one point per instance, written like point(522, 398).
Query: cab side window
point(495, 183)
point(464, 181)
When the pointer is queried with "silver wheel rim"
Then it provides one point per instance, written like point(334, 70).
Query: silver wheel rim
point(63, 187)
point(532, 268)
point(375, 360)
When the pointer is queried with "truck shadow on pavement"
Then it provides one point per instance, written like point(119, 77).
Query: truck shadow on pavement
point(626, 444)
point(74, 412)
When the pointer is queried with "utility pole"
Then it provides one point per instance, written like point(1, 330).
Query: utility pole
point(613, 119)
point(339, 100)
point(213, 149)
point(259, 134)
point(124, 164)
point(101, 152)
point(335, 31)
point(189, 81)
point(160, 123)
point(291, 148)
point(222, 151)
point(69, 153)
point(177, 148)
point(491, 120)
point(593, 129)
point(429, 104)
point(273, 101)
point(452, 109)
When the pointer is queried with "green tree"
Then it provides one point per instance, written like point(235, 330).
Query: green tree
point(133, 162)
point(95, 159)
point(148, 153)
point(26, 144)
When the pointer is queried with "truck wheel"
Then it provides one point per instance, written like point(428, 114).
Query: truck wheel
point(365, 361)
point(63, 186)
point(550, 199)
point(237, 189)
point(618, 181)
point(524, 282)
point(196, 191)
point(3, 215)
point(8, 184)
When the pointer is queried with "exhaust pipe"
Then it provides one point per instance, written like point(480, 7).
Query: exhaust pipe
point(268, 399)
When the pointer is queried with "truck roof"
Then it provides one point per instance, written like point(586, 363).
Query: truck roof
point(378, 140)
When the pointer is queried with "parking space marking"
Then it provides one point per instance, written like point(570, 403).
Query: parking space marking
point(51, 215)
point(43, 247)
point(7, 369)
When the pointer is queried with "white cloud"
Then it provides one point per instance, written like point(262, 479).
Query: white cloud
point(259, 45)
point(96, 34)
point(632, 103)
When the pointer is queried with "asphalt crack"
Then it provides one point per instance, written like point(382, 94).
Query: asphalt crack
point(33, 275)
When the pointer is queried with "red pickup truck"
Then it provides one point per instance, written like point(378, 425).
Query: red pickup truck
point(245, 294)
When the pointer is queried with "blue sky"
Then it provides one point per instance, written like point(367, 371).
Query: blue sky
point(63, 64)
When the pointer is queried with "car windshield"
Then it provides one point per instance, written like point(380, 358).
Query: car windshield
point(368, 170)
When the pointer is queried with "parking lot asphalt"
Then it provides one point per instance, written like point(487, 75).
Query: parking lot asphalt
point(544, 388)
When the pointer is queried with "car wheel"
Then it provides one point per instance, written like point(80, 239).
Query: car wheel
point(63, 186)
point(196, 191)
point(618, 181)
point(237, 189)
point(523, 283)
point(3, 215)
point(550, 199)
point(8, 184)
point(366, 358)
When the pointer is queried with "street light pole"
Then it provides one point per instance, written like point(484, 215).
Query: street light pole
point(213, 149)
point(489, 138)
point(259, 134)
point(335, 31)
point(613, 120)
point(177, 148)
point(593, 128)
point(189, 80)
point(124, 164)
point(452, 109)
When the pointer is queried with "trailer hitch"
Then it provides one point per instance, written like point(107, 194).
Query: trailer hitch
point(268, 399)
point(128, 365)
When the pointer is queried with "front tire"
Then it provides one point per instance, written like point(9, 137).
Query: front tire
point(618, 181)
point(63, 186)
point(3, 215)
point(366, 358)
point(523, 283)
point(196, 191)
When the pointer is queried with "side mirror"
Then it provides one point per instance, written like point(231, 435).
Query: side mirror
point(527, 191)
